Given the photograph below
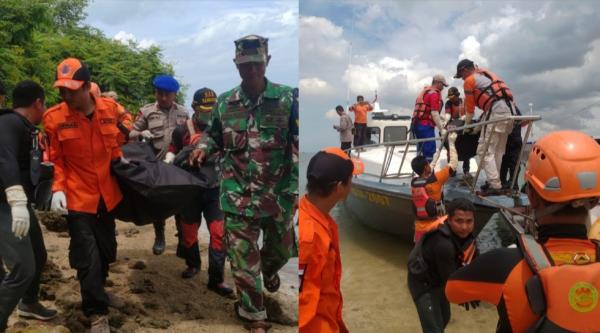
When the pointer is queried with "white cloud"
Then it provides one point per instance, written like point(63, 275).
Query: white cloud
point(331, 114)
point(124, 37)
point(127, 38)
point(314, 86)
point(471, 49)
point(321, 39)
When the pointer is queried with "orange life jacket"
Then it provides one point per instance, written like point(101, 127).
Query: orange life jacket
point(424, 207)
point(497, 90)
point(457, 111)
point(564, 296)
point(422, 111)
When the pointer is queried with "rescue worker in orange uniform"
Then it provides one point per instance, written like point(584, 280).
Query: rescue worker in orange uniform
point(83, 132)
point(428, 190)
point(360, 109)
point(488, 92)
point(426, 115)
point(329, 176)
point(548, 284)
point(125, 122)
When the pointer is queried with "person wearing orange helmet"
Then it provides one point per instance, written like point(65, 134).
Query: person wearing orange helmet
point(329, 176)
point(549, 283)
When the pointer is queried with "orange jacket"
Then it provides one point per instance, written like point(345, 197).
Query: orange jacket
point(482, 89)
point(360, 112)
point(499, 277)
point(435, 190)
point(320, 304)
point(126, 121)
point(81, 150)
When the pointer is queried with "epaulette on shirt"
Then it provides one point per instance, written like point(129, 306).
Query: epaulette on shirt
point(146, 107)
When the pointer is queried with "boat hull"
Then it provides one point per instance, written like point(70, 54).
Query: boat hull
point(390, 211)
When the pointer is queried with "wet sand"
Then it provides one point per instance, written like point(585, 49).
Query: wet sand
point(376, 296)
point(157, 298)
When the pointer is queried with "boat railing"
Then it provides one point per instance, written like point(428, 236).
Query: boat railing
point(390, 148)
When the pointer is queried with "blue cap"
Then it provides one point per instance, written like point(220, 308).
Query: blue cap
point(166, 83)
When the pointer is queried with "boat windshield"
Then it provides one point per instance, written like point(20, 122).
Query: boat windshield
point(394, 133)
point(373, 135)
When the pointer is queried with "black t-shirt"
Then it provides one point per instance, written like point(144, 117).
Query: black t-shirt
point(16, 135)
point(441, 252)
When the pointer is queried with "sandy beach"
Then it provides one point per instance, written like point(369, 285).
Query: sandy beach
point(157, 298)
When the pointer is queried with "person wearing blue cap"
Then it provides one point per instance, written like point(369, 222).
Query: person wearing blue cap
point(155, 123)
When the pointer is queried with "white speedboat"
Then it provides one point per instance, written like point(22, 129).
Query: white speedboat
point(381, 196)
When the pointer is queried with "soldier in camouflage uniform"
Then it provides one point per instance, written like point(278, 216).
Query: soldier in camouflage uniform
point(155, 122)
point(254, 128)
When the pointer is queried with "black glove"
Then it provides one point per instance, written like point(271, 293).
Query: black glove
point(473, 304)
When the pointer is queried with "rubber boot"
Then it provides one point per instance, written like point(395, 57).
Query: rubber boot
point(159, 238)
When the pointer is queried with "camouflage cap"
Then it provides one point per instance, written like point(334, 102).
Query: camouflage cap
point(251, 48)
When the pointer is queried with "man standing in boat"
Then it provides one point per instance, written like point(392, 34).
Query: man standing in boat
point(345, 128)
point(489, 93)
point(360, 109)
point(466, 144)
point(427, 190)
point(426, 115)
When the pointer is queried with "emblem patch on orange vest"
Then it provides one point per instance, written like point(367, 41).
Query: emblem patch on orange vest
point(583, 297)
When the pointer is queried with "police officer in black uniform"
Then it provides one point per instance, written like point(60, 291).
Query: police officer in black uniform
point(21, 243)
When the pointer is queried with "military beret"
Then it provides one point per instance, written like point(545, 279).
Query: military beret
point(166, 83)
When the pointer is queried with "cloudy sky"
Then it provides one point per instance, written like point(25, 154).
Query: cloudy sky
point(548, 53)
point(197, 36)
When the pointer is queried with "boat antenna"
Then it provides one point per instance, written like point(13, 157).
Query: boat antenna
point(531, 114)
point(350, 56)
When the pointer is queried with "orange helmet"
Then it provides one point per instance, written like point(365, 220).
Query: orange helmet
point(564, 166)
point(94, 89)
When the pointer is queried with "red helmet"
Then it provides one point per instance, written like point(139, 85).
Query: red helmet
point(564, 166)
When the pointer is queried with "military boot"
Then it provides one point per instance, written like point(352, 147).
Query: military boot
point(159, 238)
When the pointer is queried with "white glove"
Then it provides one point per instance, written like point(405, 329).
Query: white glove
point(169, 158)
point(16, 198)
point(59, 202)
point(146, 134)
point(443, 132)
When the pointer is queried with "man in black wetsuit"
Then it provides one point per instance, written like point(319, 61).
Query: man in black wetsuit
point(438, 254)
point(21, 243)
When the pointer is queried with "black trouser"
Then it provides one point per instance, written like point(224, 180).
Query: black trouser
point(190, 217)
point(346, 145)
point(360, 134)
point(25, 259)
point(511, 155)
point(434, 311)
point(93, 247)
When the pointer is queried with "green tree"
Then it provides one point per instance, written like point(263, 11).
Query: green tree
point(36, 35)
